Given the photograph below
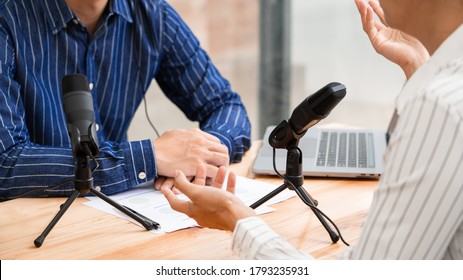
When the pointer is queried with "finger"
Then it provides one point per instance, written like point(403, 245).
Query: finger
point(176, 191)
point(361, 7)
point(217, 159)
point(211, 170)
point(218, 147)
point(211, 146)
point(231, 183)
point(214, 143)
point(159, 181)
point(379, 26)
point(370, 27)
point(168, 183)
point(220, 177)
point(200, 177)
point(182, 183)
point(206, 135)
point(206, 154)
point(378, 11)
point(176, 204)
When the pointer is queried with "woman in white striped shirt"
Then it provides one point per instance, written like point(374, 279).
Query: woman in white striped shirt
point(417, 210)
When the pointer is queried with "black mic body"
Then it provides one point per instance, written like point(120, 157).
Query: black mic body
point(80, 115)
point(307, 114)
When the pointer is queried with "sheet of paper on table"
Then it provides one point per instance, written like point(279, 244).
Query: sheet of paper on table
point(152, 203)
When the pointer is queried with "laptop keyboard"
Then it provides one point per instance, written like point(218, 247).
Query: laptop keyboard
point(346, 149)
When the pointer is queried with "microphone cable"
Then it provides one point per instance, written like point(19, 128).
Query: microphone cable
point(90, 154)
point(306, 202)
point(148, 117)
point(38, 189)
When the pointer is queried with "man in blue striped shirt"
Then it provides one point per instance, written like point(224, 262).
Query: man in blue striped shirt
point(121, 46)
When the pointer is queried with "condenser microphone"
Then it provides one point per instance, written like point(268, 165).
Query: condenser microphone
point(316, 107)
point(307, 114)
point(80, 115)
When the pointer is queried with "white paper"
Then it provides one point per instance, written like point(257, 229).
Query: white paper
point(152, 203)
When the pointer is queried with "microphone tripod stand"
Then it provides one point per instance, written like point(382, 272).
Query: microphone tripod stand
point(294, 180)
point(83, 184)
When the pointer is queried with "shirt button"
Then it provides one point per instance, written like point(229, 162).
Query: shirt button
point(90, 86)
point(75, 21)
point(97, 127)
point(98, 188)
point(65, 26)
point(142, 175)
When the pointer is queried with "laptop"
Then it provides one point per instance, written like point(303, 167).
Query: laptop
point(328, 152)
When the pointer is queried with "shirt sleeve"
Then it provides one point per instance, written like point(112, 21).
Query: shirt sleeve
point(417, 210)
point(25, 165)
point(254, 239)
point(188, 78)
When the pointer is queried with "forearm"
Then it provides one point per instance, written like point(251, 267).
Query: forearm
point(189, 78)
point(24, 167)
point(27, 166)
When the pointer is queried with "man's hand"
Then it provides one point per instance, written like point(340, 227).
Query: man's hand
point(184, 150)
point(396, 46)
point(209, 206)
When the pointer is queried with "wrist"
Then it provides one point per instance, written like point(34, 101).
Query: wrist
point(237, 212)
point(409, 69)
point(413, 65)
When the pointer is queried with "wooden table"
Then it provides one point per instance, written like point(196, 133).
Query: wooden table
point(87, 233)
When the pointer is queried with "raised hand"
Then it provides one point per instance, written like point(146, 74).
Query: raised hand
point(396, 46)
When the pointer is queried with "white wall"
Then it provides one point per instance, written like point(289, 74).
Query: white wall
point(328, 44)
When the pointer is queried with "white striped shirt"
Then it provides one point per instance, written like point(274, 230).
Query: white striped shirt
point(417, 210)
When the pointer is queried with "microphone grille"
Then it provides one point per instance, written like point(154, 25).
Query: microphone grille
point(74, 82)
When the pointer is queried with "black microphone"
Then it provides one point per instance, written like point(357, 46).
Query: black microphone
point(316, 107)
point(80, 115)
point(307, 114)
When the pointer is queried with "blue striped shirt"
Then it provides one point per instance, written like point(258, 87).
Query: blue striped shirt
point(136, 42)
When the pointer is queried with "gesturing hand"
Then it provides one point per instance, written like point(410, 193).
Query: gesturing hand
point(209, 206)
point(396, 46)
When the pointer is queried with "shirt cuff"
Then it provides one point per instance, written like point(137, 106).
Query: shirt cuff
point(224, 140)
point(236, 147)
point(254, 239)
point(140, 161)
point(250, 235)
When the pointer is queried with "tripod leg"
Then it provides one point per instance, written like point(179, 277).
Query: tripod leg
point(146, 222)
point(268, 196)
point(39, 241)
point(305, 198)
point(315, 202)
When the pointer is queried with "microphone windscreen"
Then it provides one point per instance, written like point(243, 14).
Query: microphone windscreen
point(330, 96)
point(316, 107)
point(74, 82)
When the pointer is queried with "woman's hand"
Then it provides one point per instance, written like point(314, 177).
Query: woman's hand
point(210, 206)
point(396, 46)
